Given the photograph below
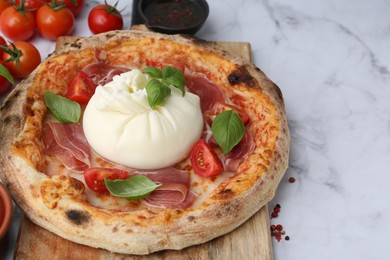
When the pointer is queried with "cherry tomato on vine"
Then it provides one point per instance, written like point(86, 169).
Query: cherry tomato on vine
point(4, 85)
point(21, 58)
point(2, 43)
point(104, 18)
point(4, 4)
point(32, 5)
point(76, 6)
point(54, 20)
point(94, 177)
point(204, 160)
point(17, 24)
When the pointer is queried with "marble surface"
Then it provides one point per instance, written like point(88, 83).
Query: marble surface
point(331, 60)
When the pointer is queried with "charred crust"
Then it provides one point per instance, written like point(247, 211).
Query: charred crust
point(225, 194)
point(241, 76)
point(6, 105)
point(278, 91)
point(76, 45)
point(78, 217)
point(109, 35)
point(191, 218)
point(12, 119)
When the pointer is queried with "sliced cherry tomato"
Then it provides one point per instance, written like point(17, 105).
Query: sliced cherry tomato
point(4, 4)
point(75, 6)
point(104, 18)
point(81, 89)
point(159, 65)
point(54, 21)
point(17, 24)
point(204, 160)
point(94, 177)
point(21, 58)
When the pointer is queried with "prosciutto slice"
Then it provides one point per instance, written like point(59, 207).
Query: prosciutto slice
point(174, 191)
point(236, 156)
point(102, 73)
point(67, 142)
point(208, 92)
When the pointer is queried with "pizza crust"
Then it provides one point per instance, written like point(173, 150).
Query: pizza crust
point(59, 203)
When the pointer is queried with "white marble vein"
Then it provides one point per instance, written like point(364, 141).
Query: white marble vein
point(331, 60)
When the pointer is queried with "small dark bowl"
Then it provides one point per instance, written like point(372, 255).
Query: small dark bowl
point(188, 29)
point(6, 210)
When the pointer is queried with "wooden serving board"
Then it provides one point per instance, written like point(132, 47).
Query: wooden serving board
point(252, 240)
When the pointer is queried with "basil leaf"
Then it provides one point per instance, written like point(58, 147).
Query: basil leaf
point(157, 92)
point(174, 77)
point(65, 110)
point(153, 72)
point(5, 73)
point(228, 130)
point(136, 187)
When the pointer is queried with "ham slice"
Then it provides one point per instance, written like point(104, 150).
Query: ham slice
point(174, 191)
point(67, 142)
point(208, 92)
point(236, 156)
point(102, 73)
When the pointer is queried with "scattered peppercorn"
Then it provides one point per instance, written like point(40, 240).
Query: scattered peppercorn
point(291, 180)
point(276, 211)
point(277, 230)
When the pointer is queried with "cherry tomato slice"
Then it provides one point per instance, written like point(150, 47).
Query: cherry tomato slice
point(81, 89)
point(204, 160)
point(94, 177)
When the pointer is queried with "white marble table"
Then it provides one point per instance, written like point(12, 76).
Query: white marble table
point(331, 60)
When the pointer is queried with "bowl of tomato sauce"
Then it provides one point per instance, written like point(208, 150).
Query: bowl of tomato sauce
point(6, 210)
point(174, 16)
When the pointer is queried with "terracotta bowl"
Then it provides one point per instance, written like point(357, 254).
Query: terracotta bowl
point(6, 210)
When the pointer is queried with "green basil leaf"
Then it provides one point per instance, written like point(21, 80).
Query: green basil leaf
point(136, 187)
point(5, 73)
point(228, 130)
point(174, 77)
point(153, 72)
point(65, 110)
point(157, 92)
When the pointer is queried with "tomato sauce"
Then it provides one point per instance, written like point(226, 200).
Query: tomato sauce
point(174, 14)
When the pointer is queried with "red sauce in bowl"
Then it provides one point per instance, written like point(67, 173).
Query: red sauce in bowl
point(174, 16)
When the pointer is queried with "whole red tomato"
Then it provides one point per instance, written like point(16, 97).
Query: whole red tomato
point(4, 4)
point(76, 6)
point(2, 43)
point(21, 58)
point(103, 18)
point(4, 85)
point(54, 21)
point(17, 24)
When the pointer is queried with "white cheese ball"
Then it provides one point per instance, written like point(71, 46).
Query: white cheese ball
point(120, 125)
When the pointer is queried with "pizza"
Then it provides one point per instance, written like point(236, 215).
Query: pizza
point(176, 142)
